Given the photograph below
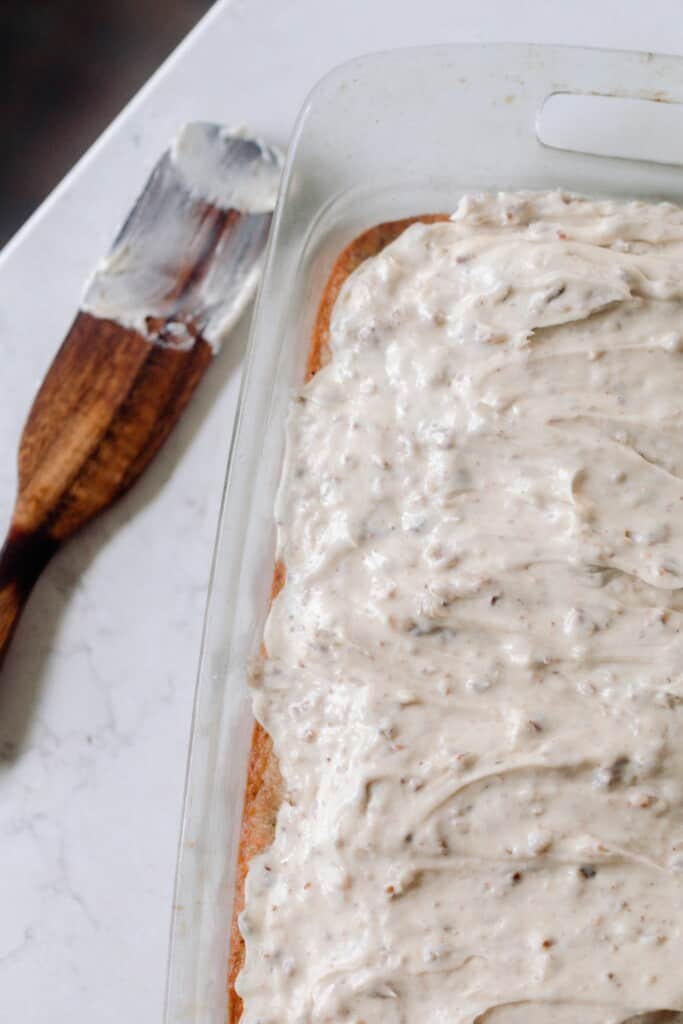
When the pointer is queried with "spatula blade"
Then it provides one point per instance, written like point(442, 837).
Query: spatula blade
point(187, 259)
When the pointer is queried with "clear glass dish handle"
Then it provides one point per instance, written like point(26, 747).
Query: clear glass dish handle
point(499, 93)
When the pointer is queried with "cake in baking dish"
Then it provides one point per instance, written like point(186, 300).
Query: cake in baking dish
point(465, 795)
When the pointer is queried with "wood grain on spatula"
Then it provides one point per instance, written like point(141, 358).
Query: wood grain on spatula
point(114, 393)
point(108, 402)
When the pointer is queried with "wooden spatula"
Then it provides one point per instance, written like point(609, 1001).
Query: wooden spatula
point(179, 274)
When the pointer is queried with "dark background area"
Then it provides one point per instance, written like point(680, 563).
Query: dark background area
point(67, 67)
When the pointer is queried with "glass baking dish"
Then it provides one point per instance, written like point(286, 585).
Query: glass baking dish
point(385, 136)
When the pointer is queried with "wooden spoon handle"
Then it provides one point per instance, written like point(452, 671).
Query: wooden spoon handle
point(22, 559)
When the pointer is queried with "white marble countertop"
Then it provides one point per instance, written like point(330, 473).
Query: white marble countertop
point(96, 694)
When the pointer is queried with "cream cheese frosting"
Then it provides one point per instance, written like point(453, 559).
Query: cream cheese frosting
point(474, 680)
